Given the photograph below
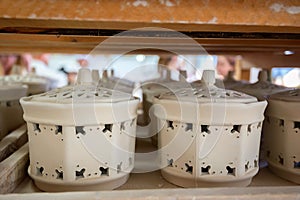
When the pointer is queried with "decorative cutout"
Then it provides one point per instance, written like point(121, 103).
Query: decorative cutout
point(170, 124)
point(9, 104)
point(204, 128)
point(36, 127)
point(205, 170)
point(296, 124)
point(189, 127)
point(281, 122)
point(39, 171)
point(80, 130)
point(297, 165)
point(58, 130)
point(249, 128)
point(247, 166)
point(281, 160)
point(258, 125)
point(59, 174)
point(80, 174)
point(107, 127)
point(170, 162)
point(104, 171)
point(230, 170)
point(236, 128)
point(255, 163)
point(189, 168)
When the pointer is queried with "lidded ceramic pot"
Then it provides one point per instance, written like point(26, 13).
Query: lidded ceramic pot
point(81, 137)
point(209, 136)
point(282, 134)
point(230, 82)
point(11, 113)
point(262, 88)
point(115, 83)
point(36, 84)
point(154, 88)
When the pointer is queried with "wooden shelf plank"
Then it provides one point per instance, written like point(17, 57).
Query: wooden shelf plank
point(191, 15)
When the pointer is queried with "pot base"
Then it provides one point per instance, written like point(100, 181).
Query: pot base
point(82, 185)
point(191, 182)
point(283, 173)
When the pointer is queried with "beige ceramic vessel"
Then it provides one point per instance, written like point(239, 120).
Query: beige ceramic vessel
point(81, 137)
point(282, 134)
point(154, 88)
point(11, 113)
point(209, 136)
point(36, 84)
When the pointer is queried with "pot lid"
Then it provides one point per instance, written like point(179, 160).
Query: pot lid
point(84, 91)
point(11, 90)
point(291, 95)
point(207, 92)
point(262, 88)
point(28, 79)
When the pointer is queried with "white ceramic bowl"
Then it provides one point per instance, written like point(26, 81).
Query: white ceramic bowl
point(209, 136)
point(282, 134)
point(81, 137)
point(11, 113)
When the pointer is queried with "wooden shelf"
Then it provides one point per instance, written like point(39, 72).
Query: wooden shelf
point(146, 185)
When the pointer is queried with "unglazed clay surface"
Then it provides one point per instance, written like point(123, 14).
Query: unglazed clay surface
point(282, 135)
point(10, 107)
point(81, 137)
point(36, 84)
point(222, 144)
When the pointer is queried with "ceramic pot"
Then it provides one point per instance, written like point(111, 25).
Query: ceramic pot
point(209, 136)
point(11, 113)
point(152, 89)
point(262, 88)
point(229, 82)
point(282, 134)
point(36, 84)
point(81, 137)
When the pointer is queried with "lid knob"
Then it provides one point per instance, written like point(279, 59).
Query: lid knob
point(208, 77)
point(84, 77)
point(263, 75)
point(95, 75)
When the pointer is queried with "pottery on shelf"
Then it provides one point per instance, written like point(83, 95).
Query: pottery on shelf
point(262, 88)
point(36, 84)
point(80, 137)
point(11, 113)
point(154, 88)
point(230, 82)
point(209, 136)
point(282, 134)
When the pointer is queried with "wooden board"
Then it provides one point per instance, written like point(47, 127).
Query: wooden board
point(13, 159)
point(13, 170)
point(12, 142)
point(188, 15)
